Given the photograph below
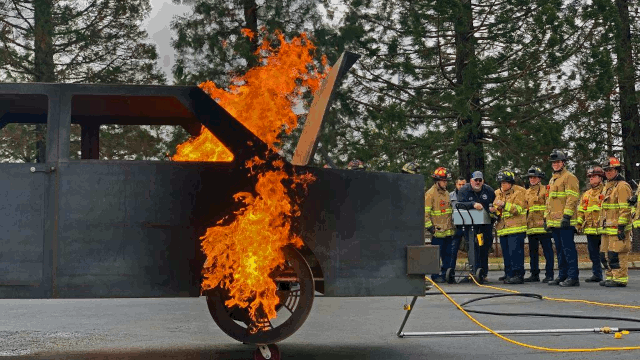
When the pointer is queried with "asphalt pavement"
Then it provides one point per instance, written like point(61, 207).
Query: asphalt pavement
point(337, 328)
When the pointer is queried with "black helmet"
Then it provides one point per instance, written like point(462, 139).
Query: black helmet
point(411, 168)
point(557, 155)
point(612, 162)
point(506, 175)
point(535, 171)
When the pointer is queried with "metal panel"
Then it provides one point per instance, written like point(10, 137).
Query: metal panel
point(423, 259)
point(470, 217)
point(358, 224)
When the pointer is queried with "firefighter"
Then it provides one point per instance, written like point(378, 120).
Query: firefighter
point(411, 168)
point(536, 197)
point(615, 225)
point(511, 226)
point(439, 222)
point(478, 195)
point(635, 208)
point(561, 218)
point(357, 165)
point(588, 214)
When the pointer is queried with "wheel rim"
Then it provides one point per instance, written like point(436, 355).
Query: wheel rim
point(293, 309)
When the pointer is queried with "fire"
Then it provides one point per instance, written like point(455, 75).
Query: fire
point(240, 256)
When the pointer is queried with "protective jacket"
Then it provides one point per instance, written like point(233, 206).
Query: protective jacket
point(536, 204)
point(438, 212)
point(513, 217)
point(636, 215)
point(562, 198)
point(589, 210)
point(615, 208)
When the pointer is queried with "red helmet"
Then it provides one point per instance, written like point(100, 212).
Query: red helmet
point(356, 165)
point(441, 173)
point(613, 162)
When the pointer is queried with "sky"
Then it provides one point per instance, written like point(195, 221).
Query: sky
point(159, 28)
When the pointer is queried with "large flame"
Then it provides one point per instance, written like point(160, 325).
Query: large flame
point(240, 256)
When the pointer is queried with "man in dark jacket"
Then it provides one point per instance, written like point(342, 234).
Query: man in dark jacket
point(478, 195)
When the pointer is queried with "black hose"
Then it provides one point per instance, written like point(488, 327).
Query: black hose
point(464, 293)
point(535, 296)
point(591, 317)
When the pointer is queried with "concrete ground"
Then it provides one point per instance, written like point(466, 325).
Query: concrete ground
point(337, 328)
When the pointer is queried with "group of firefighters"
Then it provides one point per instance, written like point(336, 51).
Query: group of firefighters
point(605, 213)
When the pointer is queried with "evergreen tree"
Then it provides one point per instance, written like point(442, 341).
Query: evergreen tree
point(472, 85)
point(77, 41)
point(211, 42)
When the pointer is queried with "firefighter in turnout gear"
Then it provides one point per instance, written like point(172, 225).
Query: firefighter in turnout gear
point(535, 203)
point(635, 209)
point(511, 226)
point(588, 214)
point(439, 222)
point(615, 225)
point(561, 218)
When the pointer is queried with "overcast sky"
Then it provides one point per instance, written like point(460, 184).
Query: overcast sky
point(158, 26)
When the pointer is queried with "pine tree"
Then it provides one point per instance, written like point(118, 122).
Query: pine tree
point(212, 43)
point(472, 85)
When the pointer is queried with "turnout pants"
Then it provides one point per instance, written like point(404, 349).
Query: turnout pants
point(544, 240)
point(566, 251)
point(616, 257)
point(513, 254)
point(593, 245)
point(448, 253)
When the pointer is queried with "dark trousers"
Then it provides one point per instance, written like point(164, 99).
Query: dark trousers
point(482, 252)
point(504, 246)
point(566, 251)
point(593, 245)
point(513, 253)
point(547, 249)
point(448, 253)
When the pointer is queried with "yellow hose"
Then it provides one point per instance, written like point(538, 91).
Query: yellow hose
point(517, 342)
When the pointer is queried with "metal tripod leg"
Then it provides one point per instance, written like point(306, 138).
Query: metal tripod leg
point(406, 317)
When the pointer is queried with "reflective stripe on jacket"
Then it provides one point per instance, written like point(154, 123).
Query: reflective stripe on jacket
point(513, 217)
point(615, 208)
point(562, 198)
point(438, 212)
point(535, 203)
point(589, 210)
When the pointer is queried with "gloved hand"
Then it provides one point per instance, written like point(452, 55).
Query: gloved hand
point(633, 200)
point(544, 225)
point(621, 232)
point(566, 221)
point(431, 229)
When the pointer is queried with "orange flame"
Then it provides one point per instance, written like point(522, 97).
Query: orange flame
point(240, 256)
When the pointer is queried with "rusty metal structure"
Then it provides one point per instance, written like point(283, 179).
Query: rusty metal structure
point(91, 228)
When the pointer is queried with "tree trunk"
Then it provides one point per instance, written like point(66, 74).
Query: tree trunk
point(251, 20)
point(44, 67)
point(628, 101)
point(470, 148)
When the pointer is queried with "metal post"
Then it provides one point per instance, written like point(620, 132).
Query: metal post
point(406, 317)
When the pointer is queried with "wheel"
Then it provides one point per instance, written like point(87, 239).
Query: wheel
point(296, 293)
point(449, 276)
point(479, 276)
point(261, 353)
